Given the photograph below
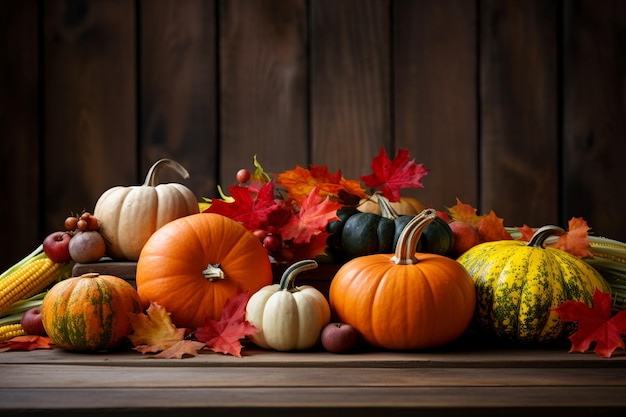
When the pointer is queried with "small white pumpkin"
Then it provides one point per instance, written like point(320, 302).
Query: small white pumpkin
point(288, 317)
point(128, 216)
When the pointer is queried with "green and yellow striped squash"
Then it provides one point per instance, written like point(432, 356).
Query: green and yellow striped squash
point(89, 313)
point(518, 284)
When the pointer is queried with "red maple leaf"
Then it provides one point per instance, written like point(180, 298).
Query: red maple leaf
point(392, 176)
point(249, 208)
point(595, 324)
point(314, 215)
point(224, 335)
point(26, 342)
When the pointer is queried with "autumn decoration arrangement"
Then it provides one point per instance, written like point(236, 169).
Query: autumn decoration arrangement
point(409, 276)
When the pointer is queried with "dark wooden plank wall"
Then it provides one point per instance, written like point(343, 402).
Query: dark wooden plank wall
point(514, 106)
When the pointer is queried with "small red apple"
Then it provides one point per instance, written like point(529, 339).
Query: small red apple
point(465, 236)
point(339, 337)
point(31, 322)
point(57, 247)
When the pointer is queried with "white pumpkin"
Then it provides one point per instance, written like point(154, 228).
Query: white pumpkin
point(288, 317)
point(128, 216)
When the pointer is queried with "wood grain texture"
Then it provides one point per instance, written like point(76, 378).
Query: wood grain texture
point(178, 90)
point(89, 111)
point(350, 84)
point(263, 86)
point(434, 90)
point(19, 130)
point(461, 380)
point(519, 144)
point(593, 115)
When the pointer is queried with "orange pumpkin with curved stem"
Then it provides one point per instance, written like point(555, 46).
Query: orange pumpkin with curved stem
point(193, 264)
point(406, 300)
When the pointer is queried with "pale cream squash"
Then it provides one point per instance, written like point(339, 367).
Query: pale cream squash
point(130, 215)
point(288, 317)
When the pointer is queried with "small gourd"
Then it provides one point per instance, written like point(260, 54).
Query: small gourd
point(128, 216)
point(289, 317)
point(518, 285)
point(89, 313)
point(409, 206)
point(404, 300)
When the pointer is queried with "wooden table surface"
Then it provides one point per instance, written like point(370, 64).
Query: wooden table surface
point(464, 378)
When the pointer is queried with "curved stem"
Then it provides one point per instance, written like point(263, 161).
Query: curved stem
point(152, 177)
point(407, 242)
point(541, 234)
point(288, 279)
point(385, 208)
point(213, 272)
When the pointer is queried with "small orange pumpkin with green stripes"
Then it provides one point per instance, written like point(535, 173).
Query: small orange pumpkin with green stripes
point(518, 285)
point(89, 313)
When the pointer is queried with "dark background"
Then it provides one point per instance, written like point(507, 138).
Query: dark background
point(514, 106)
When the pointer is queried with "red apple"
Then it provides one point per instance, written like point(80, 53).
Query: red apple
point(31, 322)
point(57, 247)
point(339, 337)
point(465, 236)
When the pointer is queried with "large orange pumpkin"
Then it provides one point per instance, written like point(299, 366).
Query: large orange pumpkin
point(193, 264)
point(90, 312)
point(406, 300)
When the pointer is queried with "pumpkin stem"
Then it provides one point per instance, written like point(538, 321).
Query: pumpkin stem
point(213, 272)
point(541, 234)
point(288, 279)
point(386, 210)
point(407, 242)
point(152, 178)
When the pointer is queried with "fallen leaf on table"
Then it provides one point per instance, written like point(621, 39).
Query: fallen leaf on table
point(26, 342)
point(155, 331)
point(595, 324)
point(223, 335)
point(179, 349)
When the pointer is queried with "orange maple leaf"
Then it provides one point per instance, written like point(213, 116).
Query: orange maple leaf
point(155, 331)
point(180, 349)
point(464, 212)
point(299, 182)
point(315, 213)
point(491, 228)
point(575, 240)
point(223, 335)
point(527, 233)
point(26, 342)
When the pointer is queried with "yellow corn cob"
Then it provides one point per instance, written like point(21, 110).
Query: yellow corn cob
point(9, 331)
point(28, 280)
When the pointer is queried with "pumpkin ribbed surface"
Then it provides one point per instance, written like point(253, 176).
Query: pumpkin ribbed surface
point(518, 285)
point(89, 313)
point(192, 265)
point(405, 300)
